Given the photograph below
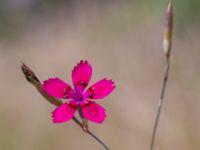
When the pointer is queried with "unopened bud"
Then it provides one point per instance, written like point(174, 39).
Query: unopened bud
point(32, 78)
point(29, 74)
point(168, 29)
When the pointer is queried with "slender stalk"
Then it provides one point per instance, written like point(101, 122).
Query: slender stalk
point(97, 139)
point(167, 45)
point(84, 120)
point(160, 104)
point(32, 78)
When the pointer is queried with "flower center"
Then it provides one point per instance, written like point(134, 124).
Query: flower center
point(78, 95)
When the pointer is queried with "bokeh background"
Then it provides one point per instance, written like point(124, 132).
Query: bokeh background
point(123, 41)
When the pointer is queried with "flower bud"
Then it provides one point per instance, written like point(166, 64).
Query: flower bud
point(29, 74)
point(168, 29)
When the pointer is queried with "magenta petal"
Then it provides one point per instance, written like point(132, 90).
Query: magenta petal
point(81, 74)
point(56, 87)
point(100, 89)
point(63, 113)
point(94, 112)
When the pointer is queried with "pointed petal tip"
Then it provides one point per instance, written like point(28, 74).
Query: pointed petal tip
point(82, 62)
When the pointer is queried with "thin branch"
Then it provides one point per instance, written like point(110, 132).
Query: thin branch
point(32, 78)
point(160, 104)
point(97, 139)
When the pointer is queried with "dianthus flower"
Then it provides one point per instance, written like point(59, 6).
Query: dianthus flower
point(79, 97)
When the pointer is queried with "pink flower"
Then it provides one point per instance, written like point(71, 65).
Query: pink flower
point(79, 96)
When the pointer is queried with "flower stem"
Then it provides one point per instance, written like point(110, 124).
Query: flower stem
point(84, 120)
point(160, 104)
point(32, 78)
point(97, 139)
point(167, 45)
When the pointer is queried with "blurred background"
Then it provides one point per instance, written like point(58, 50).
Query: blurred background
point(123, 41)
